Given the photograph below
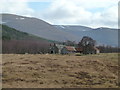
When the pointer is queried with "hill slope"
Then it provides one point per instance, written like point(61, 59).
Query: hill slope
point(36, 27)
point(102, 35)
point(9, 33)
point(14, 41)
point(43, 29)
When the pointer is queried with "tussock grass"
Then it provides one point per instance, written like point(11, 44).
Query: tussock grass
point(57, 71)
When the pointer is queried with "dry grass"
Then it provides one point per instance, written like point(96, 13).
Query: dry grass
point(56, 71)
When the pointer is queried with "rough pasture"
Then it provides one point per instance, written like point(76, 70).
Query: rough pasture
point(56, 71)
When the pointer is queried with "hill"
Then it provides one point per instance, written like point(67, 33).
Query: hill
point(106, 36)
point(14, 41)
point(9, 33)
point(38, 27)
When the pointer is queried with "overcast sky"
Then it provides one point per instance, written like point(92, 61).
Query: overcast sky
point(92, 13)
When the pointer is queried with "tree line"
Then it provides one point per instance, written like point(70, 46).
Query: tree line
point(24, 46)
point(108, 49)
point(38, 47)
point(88, 44)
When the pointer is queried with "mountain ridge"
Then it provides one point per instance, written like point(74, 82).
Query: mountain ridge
point(9, 33)
point(38, 27)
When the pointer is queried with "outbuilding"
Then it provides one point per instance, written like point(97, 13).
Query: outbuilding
point(68, 50)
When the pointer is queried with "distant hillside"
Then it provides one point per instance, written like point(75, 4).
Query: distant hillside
point(106, 36)
point(15, 41)
point(9, 33)
point(38, 27)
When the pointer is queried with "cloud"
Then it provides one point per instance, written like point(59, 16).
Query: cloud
point(19, 7)
point(108, 17)
point(93, 13)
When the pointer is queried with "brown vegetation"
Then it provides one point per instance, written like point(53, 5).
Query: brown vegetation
point(24, 46)
point(56, 71)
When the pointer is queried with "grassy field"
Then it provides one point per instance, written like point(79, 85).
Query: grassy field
point(59, 71)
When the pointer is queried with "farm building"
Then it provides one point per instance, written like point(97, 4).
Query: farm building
point(56, 48)
point(96, 50)
point(53, 49)
point(79, 50)
point(68, 50)
point(62, 49)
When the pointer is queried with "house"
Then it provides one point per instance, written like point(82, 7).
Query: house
point(56, 48)
point(68, 50)
point(53, 49)
point(61, 49)
point(96, 50)
point(79, 50)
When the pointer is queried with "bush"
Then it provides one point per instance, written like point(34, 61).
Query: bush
point(78, 54)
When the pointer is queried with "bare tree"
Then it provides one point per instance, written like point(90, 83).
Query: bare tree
point(24, 46)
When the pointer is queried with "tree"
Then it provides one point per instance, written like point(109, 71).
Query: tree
point(69, 43)
point(108, 49)
point(87, 44)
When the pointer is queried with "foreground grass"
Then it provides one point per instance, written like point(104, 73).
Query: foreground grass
point(56, 71)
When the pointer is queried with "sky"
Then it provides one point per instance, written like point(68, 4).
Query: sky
point(91, 13)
